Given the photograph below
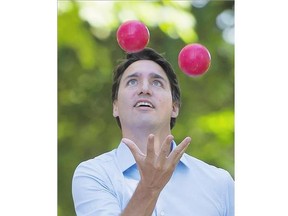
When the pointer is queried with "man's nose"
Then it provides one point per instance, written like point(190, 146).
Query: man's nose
point(145, 88)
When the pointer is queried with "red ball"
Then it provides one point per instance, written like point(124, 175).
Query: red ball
point(133, 36)
point(194, 59)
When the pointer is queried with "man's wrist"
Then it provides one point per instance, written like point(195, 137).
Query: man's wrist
point(148, 190)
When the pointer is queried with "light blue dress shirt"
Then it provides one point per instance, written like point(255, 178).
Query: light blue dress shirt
point(103, 186)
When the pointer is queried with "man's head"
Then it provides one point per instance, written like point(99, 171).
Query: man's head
point(147, 54)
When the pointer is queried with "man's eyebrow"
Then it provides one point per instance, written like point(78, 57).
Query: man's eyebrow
point(134, 75)
point(157, 76)
point(152, 75)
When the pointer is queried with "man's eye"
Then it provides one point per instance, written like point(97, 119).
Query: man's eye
point(132, 82)
point(157, 83)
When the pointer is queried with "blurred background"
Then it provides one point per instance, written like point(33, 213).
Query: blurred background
point(88, 52)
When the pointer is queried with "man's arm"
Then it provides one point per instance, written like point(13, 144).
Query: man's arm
point(92, 194)
point(155, 171)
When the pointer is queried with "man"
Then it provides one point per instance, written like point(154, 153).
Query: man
point(148, 174)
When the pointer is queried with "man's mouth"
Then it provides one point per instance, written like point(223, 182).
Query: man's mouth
point(144, 104)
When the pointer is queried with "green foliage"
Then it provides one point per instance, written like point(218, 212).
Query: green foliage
point(87, 54)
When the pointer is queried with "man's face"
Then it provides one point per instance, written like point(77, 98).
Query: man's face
point(144, 97)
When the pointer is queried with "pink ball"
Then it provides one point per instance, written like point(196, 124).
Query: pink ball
point(132, 36)
point(194, 59)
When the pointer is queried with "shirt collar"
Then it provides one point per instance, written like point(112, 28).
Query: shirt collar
point(126, 159)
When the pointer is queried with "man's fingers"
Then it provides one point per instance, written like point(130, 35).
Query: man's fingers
point(133, 148)
point(166, 147)
point(164, 153)
point(177, 153)
point(150, 147)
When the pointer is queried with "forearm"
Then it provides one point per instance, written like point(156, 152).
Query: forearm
point(142, 202)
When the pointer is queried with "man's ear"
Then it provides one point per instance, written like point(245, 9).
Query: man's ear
point(175, 110)
point(115, 109)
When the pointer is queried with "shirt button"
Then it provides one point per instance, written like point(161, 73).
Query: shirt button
point(162, 213)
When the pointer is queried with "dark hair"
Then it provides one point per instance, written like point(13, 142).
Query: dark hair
point(147, 54)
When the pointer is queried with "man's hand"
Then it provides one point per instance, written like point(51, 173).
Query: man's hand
point(156, 169)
